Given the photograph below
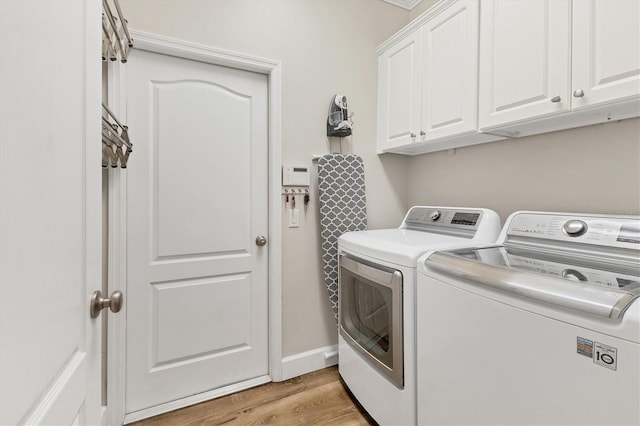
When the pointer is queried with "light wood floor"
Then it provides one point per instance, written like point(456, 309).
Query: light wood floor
point(318, 398)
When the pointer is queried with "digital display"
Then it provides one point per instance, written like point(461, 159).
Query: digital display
point(469, 219)
point(629, 234)
point(300, 169)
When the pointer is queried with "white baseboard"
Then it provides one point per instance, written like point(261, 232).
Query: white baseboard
point(194, 399)
point(306, 362)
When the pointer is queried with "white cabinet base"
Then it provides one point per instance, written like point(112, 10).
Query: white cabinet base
point(444, 144)
point(570, 120)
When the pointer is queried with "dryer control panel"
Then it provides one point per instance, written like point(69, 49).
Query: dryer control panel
point(419, 216)
point(475, 223)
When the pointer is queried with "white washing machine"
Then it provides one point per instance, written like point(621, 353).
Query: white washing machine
point(377, 276)
point(542, 329)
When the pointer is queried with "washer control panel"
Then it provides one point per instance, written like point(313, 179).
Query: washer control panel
point(590, 275)
point(610, 231)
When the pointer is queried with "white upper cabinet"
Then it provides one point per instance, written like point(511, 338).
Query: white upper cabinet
point(525, 66)
point(428, 82)
point(551, 65)
point(466, 72)
point(606, 52)
point(399, 93)
point(449, 44)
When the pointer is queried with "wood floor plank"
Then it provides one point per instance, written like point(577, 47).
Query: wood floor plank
point(318, 398)
point(223, 406)
point(320, 377)
point(300, 409)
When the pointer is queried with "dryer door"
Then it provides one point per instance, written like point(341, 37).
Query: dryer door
point(371, 314)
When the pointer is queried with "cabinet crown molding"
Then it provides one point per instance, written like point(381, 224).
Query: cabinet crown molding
point(428, 14)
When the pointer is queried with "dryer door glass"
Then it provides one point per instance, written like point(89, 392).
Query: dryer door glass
point(370, 317)
point(370, 306)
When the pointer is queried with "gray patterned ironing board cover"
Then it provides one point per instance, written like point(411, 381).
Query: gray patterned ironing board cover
point(343, 208)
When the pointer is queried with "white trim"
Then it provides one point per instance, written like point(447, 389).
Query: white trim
point(275, 224)
point(405, 4)
point(415, 25)
point(194, 399)
point(271, 68)
point(117, 256)
point(306, 362)
point(200, 52)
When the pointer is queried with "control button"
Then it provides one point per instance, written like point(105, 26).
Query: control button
point(572, 274)
point(435, 215)
point(574, 228)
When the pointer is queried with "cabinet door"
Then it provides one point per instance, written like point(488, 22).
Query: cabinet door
point(399, 94)
point(524, 60)
point(606, 51)
point(450, 72)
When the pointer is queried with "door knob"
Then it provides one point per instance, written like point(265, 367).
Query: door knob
point(260, 241)
point(98, 302)
point(578, 93)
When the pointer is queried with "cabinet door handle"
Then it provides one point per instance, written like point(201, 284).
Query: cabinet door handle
point(578, 93)
point(556, 99)
point(413, 135)
point(422, 133)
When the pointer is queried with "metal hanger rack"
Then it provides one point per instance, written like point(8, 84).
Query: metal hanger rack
point(116, 43)
point(116, 145)
point(116, 40)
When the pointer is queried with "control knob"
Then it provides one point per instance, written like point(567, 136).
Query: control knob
point(572, 274)
point(435, 215)
point(574, 228)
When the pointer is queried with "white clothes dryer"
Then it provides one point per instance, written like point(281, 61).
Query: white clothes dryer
point(377, 273)
point(543, 328)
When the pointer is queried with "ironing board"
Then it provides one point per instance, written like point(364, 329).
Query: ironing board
point(343, 208)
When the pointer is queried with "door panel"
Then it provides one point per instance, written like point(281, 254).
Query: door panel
point(184, 224)
point(196, 200)
point(203, 306)
point(399, 94)
point(606, 54)
point(450, 72)
point(50, 223)
point(524, 60)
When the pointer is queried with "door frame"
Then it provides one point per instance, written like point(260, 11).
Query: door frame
point(116, 378)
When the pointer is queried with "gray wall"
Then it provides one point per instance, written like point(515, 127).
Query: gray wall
point(590, 169)
point(326, 47)
point(420, 8)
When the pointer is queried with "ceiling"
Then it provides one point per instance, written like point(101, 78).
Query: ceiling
point(405, 4)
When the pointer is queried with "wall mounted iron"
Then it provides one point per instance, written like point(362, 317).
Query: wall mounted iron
point(338, 123)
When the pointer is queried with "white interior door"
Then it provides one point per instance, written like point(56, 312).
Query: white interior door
point(50, 220)
point(197, 312)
